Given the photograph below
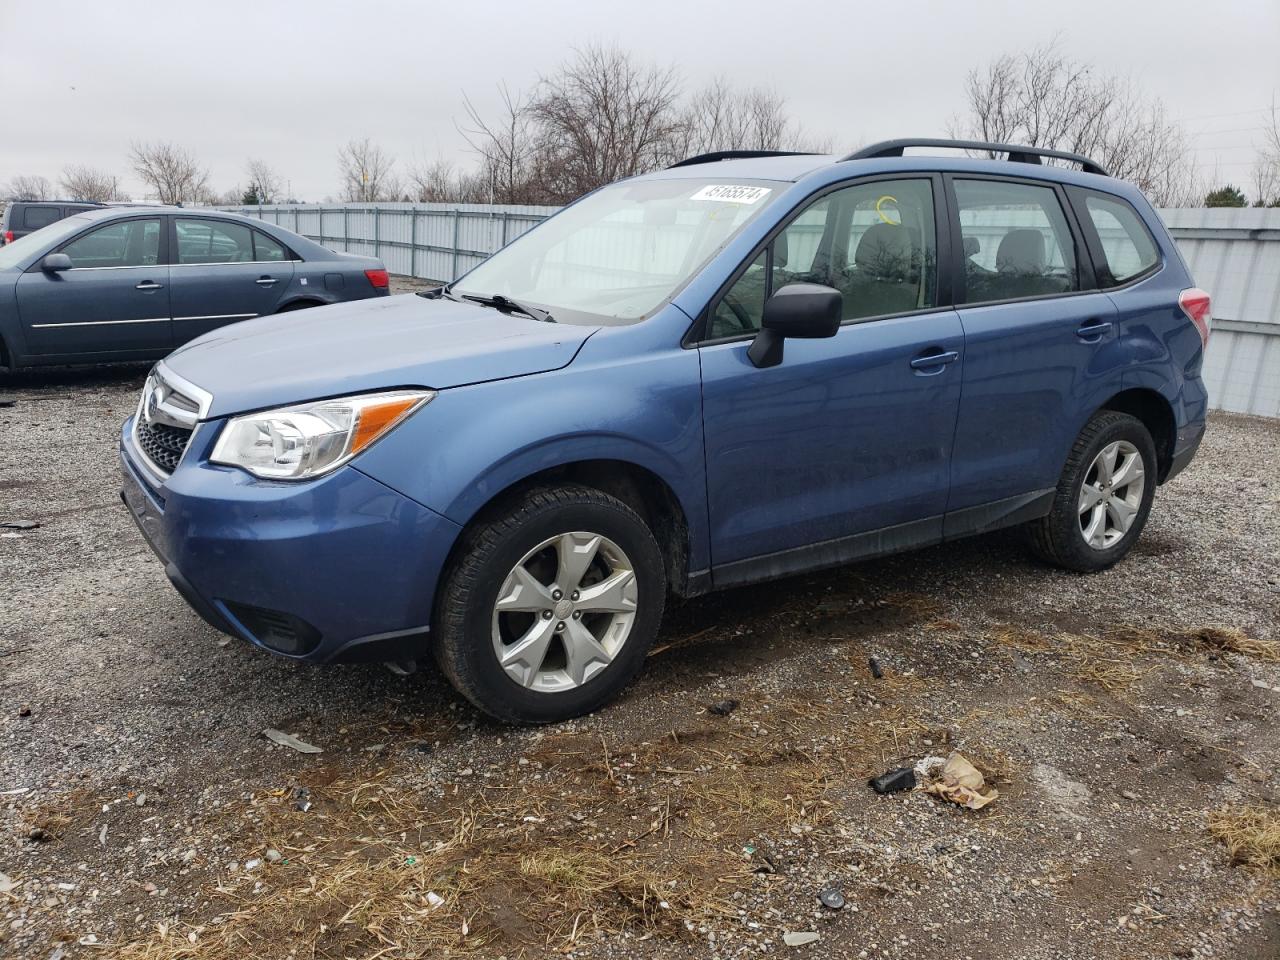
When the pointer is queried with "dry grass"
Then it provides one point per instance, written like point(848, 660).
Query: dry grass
point(1234, 641)
point(587, 838)
point(1251, 835)
point(1111, 675)
point(1019, 638)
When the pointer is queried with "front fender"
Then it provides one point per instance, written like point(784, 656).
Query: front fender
point(471, 443)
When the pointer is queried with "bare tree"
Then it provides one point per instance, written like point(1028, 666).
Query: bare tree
point(171, 172)
point(720, 117)
point(368, 174)
point(1043, 98)
point(264, 182)
point(507, 148)
point(442, 182)
point(602, 117)
point(27, 188)
point(79, 182)
point(1266, 167)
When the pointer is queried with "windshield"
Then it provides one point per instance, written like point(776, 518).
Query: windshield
point(22, 249)
point(620, 253)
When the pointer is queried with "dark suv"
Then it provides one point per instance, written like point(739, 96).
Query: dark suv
point(732, 370)
point(23, 216)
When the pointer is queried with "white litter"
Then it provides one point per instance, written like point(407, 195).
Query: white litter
point(289, 740)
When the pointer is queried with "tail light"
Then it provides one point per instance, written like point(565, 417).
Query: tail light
point(1195, 303)
point(378, 278)
point(8, 236)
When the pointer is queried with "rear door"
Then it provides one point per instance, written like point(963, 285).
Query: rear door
point(35, 216)
point(1040, 343)
point(223, 272)
point(112, 304)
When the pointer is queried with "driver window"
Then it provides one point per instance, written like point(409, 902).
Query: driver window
point(739, 311)
point(874, 242)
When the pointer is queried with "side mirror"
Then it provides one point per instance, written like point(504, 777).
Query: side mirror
point(55, 263)
point(806, 310)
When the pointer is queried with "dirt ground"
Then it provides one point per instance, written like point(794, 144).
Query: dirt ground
point(143, 813)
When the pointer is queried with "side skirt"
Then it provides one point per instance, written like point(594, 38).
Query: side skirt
point(883, 542)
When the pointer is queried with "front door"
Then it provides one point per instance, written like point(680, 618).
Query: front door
point(223, 272)
point(112, 304)
point(844, 447)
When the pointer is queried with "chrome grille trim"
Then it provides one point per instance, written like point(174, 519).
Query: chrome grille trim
point(169, 405)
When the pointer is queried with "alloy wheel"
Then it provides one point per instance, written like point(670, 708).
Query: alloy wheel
point(1111, 495)
point(564, 611)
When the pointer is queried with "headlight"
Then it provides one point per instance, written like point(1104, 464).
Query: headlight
point(298, 443)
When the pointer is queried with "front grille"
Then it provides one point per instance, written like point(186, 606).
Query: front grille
point(167, 415)
point(162, 444)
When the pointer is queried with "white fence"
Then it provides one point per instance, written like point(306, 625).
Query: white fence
point(1232, 253)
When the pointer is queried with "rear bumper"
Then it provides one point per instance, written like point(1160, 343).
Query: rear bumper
point(1184, 449)
point(340, 568)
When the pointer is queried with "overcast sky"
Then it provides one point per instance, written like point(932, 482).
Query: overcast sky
point(289, 82)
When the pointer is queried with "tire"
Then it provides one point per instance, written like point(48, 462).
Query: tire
point(299, 305)
point(533, 534)
point(1070, 539)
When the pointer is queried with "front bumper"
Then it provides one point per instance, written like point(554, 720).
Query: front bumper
point(346, 563)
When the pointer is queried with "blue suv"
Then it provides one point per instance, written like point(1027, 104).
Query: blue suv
point(743, 367)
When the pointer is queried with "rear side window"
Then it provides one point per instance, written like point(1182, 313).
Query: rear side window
point(1128, 249)
point(213, 241)
point(267, 249)
point(1016, 241)
point(129, 243)
point(36, 217)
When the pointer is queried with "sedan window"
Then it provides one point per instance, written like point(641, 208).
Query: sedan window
point(127, 243)
point(213, 241)
point(268, 250)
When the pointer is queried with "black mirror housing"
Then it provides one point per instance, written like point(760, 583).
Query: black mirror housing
point(55, 263)
point(809, 311)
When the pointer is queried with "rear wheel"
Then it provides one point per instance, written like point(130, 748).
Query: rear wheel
point(550, 608)
point(1103, 497)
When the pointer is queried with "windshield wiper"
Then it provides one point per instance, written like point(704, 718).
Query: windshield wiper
point(507, 305)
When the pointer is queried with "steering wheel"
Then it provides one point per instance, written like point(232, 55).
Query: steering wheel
point(745, 322)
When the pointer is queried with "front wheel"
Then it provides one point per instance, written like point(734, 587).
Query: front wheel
point(1103, 497)
point(551, 606)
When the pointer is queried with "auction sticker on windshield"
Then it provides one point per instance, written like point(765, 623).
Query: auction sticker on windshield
point(731, 193)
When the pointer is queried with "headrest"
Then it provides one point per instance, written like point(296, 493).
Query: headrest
point(885, 250)
point(972, 246)
point(1021, 251)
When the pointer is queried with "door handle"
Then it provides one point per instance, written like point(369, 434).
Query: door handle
point(1093, 331)
point(266, 281)
point(148, 285)
point(939, 359)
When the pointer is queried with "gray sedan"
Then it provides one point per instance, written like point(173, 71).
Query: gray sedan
point(134, 283)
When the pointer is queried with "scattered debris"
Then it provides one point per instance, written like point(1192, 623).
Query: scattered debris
point(273, 856)
point(764, 863)
point(20, 524)
point(251, 865)
point(894, 781)
point(24, 711)
point(831, 898)
point(434, 899)
point(799, 939)
point(289, 740)
point(7, 885)
point(302, 799)
point(102, 836)
point(7, 403)
point(955, 779)
point(38, 834)
point(876, 671)
point(723, 708)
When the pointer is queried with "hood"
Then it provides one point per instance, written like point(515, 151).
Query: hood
point(365, 345)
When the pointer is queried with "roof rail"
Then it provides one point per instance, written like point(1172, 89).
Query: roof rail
point(738, 155)
point(1017, 154)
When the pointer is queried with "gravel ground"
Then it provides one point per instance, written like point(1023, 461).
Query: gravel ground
point(142, 813)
